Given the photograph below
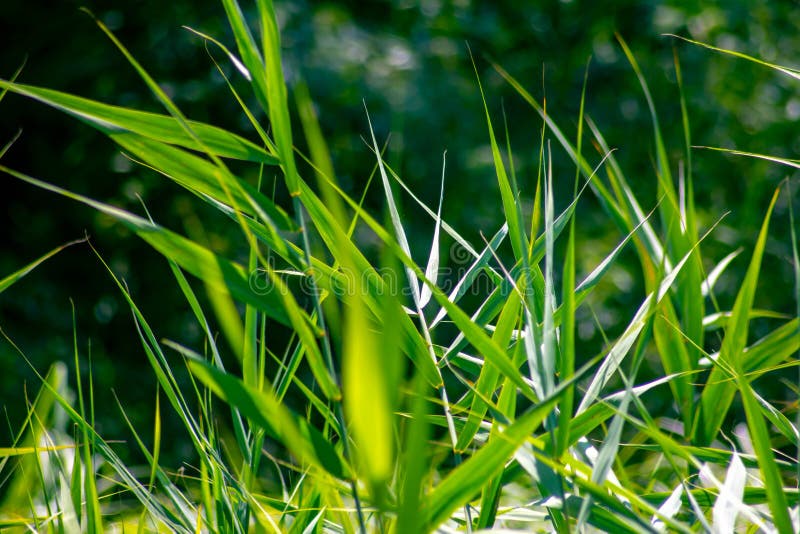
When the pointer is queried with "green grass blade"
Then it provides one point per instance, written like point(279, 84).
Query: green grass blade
point(432, 269)
point(201, 176)
point(163, 128)
point(719, 390)
point(276, 94)
point(794, 73)
point(261, 407)
point(466, 480)
point(198, 260)
point(15, 277)
point(773, 481)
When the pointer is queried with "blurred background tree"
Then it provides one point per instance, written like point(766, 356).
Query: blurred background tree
point(409, 63)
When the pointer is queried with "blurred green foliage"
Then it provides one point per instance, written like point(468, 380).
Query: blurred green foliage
point(409, 63)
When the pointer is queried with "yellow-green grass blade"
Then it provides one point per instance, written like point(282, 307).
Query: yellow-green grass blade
point(773, 480)
point(373, 382)
point(489, 375)
point(682, 237)
point(718, 392)
point(566, 346)
point(226, 178)
point(620, 348)
point(10, 143)
point(176, 518)
point(89, 495)
point(344, 252)
point(234, 60)
point(265, 410)
point(164, 128)
point(10, 452)
point(473, 333)
point(368, 392)
point(462, 483)
point(276, 94)
point(15, 277)
point(672, 343)
point(796, 260)
point(775, 159)
point(201, 176)
point(251, 57)
point(706, 497)
point(415, 459)
point(194, 258)
point(27, 442)
point(466, 480)
point(508, 191)
point(780, 421)
point(200, 317)
point(221, 274)
point(444, 225)
point(13, 79)
point(493, 304)
point(157, 473)
point(480, 265)
point(794, 73)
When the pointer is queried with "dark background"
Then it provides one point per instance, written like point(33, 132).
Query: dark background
point(410, 65)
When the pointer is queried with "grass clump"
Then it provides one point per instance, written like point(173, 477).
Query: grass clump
point(396, 404)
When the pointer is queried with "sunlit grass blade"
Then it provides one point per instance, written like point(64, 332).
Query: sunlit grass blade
point(626, 340)
point(794, 73)
point(201, 176)
point(196, 259)
point(432, 269)
point(163, 128)
point(678, 219)
point(508, 190)
point(489, 375)
point(18, 487)
point(760, 436)
point(466, 480)
point(305, 441)
point(231, 56)
point(415, 458)
point(719, 390)
point(15, 277)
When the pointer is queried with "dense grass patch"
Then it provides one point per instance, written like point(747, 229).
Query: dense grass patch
point(340, 390)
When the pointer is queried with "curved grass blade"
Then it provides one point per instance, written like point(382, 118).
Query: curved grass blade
point(164, 128)
point(261, 407)
point(719, 391)
point(15, 277)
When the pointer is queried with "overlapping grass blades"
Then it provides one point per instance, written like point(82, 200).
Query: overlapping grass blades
point(408, 425)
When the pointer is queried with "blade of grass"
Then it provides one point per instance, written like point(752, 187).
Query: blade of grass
point(718, 392)
point(163, 128)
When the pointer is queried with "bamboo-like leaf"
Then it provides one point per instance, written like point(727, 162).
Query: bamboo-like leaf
point(432, 269)
point(276, 94)
point(794, 73)
point(163, 128)
point(201, 176)
point(15, 277)
point(773, 481)
point(466, 480)
point(261, 407)
point(718, 392)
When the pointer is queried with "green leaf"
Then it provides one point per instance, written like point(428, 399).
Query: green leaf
point(15, 277)
point(198, 260)
point(719, 390)
point(164, 128)
point(760, 436)
point(265, 410)
point(202, 177)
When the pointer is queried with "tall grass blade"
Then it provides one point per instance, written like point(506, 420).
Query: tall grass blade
point(719, 390)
